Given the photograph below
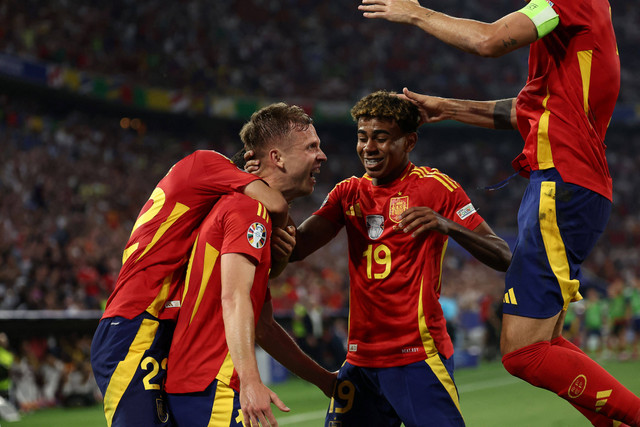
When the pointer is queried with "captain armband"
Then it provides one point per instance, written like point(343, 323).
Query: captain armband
point(542, 15)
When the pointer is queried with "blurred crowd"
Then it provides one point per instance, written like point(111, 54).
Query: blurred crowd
point(276, 49)
point(72, 182)
point(43, 372)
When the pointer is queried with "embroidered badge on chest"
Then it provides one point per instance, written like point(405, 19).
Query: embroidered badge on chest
point(397, 205)
point(375, 226)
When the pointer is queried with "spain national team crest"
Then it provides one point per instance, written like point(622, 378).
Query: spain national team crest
point(397, 205)
point(375, 226)
point(257, 235)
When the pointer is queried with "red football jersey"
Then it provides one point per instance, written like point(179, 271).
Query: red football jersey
point(165, 230)
point(395, 317)
point(573, 84)
point(199, 352)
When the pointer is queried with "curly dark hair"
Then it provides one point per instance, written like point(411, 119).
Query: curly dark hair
point(387, 105)
point(271, 123)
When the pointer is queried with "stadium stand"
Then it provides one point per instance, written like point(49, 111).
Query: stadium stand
point(74, 170)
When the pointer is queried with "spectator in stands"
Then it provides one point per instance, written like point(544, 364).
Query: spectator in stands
point(79, 387)
point(207, 46)
point(595, 318)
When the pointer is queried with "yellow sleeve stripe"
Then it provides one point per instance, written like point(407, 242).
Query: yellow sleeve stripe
point(262, 212)
point(444, 179)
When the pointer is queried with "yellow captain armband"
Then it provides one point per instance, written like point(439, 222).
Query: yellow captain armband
point(542, 15)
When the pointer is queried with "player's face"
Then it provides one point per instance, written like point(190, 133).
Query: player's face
point(302, 159)
point(383, 148)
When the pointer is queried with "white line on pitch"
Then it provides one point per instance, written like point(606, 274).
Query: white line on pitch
point(307, 416)
point(484, 385)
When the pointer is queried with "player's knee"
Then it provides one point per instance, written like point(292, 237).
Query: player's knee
point(524, 363)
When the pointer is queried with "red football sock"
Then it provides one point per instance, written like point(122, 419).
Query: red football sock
point(596, 418)
point(576, 378)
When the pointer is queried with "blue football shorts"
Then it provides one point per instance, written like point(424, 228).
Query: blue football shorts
point(217, 406)
point(558, 225)
point(129, 361)
point(420, 394)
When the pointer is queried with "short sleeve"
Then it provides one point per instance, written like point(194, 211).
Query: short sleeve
point(247, 227)
point(332, 208)
point(220, 174)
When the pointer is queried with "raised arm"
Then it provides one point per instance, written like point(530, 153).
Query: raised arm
point(508, 33)
point(275, 341)
point(237, 275)
point(497, 114)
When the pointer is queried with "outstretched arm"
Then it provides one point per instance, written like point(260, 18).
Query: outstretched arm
point(275, 341)
point(508, 33)
point(315, 232)
point(482, 242)
point(498, 114)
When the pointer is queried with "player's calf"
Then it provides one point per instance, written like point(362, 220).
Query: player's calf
point(576, 378)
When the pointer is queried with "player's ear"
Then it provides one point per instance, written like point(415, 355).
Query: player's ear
point(410, 141)
point(275, 157)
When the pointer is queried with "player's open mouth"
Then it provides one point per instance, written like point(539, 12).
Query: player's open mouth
point(313, 173)
point(372, 163)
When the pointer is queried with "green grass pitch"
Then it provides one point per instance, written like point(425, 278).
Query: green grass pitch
point(489, 397)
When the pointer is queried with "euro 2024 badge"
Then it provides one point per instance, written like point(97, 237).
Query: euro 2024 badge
point(375, 226)
point(257, 235)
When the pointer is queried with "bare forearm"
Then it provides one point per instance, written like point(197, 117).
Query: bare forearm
point(498, 114)
point(490, 249)
point(465, 34)
point(236, 276)
point(238, 325)
point(312, 234)
point(275, 341)
point(494, 39)
point(277, 267)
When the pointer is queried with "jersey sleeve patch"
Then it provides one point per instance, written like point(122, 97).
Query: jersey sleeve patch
point(466, 211)
point(257, 235)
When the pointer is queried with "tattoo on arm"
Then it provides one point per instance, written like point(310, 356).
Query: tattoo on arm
point(509, 41)
point(429, 13)
point(502, 114)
